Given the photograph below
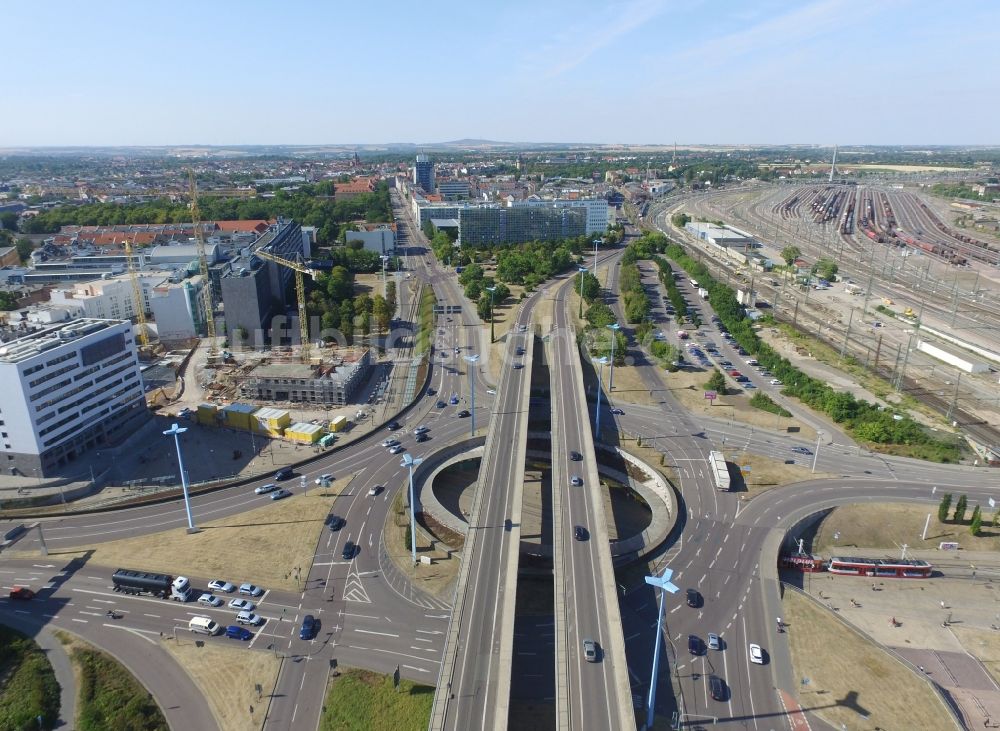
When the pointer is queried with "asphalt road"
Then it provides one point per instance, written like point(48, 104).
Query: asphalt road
point(590, 695)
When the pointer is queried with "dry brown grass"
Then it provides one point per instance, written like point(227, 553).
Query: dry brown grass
point(287, 530)
point(842, 664)
point(982, 644)
point(436, 579)
point(231, 693)
point(890, 525)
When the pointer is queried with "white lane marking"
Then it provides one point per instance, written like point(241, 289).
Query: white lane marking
point(372, 632)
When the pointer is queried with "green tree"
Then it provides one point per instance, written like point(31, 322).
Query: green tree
point(473, 289)
point(977, 521)
point(825, 269)
point(680, 220)
point(790, 254)
point(960, 508)
point(381, 313)
point(716, 382)
point(483, 306)
point(8, 220)
point(390, 297)
point(8, 301)
point(944, 507)
point(347, 320)
point(24, 248)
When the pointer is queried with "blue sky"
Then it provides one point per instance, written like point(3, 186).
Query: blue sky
point(636, 71)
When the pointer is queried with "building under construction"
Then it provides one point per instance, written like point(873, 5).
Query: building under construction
point(333, 383)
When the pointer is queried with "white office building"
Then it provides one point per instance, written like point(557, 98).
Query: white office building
point(597, 209)
point(66, 390)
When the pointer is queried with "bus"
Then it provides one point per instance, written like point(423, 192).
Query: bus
point(720, 471)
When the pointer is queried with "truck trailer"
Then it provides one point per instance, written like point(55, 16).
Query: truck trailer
point(141, 582)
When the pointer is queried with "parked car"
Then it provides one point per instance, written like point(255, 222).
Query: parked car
point(590, 650)
point(248, 617)
point(280, 494)
point(308, 629)
point(264, 489)
point(238, 633)
point(775, 382)
point(210, 599)
point(241, 604)
point(250, 590)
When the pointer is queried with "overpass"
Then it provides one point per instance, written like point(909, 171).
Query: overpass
point(473, 690)
point(589, 695)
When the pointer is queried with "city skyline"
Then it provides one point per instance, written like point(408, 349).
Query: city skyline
point(638, 72)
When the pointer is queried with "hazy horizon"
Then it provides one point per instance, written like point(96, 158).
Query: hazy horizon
point(636, 73)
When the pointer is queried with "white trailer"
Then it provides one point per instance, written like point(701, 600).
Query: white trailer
point(717, 462)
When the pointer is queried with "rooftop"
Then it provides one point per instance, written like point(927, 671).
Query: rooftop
point(37, 342)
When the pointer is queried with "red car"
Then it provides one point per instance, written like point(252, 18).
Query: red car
point(22, 592)
point(735, 374)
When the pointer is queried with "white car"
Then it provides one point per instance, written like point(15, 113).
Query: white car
point(397, 449)
point(774, 382)
point(421, 429)
point(324, 478)
point(264, 489)
point(248, 617)
point(220, 585)
point(210, 600)
point(390, 442)
point(242, 604)
point(250, 590)
point(756, 655)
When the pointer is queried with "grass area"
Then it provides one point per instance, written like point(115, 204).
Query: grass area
point(762, 401)
point(232, 547)
point(850, 676)
point(230, 694)
point(425, 319)
point(28, 686)
point(983, 644)
point(889, 525)
point(435, 579)
point(109, 697)
point(359, 700)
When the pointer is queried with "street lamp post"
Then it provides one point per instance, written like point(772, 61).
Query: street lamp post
point(596, 242)
point(582, 271)
point(614, 327)
point(472, 360)
point(662, 583)
point(412, 462)
point(600, 387)
point(493, 339)
point(176, 431)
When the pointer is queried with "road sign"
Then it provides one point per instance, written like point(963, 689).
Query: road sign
point(710, 395)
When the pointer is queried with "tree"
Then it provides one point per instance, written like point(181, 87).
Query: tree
point(483, 306)
point(960, 508)
point(825, 269)
point(381, 312)
point(8, 301)
point(944, 507)
point(8, 220)
point(473, 289)
point(790, 254)
point(347, 319)
point(680, 220)
point(24, 248)
point(716, 382)
point(977, 521)
point(390, 297)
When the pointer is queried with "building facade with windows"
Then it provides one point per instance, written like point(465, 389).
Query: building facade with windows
point(484, 226)
point(423, 173)
point(67, 389)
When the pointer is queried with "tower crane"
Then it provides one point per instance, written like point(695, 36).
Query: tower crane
point(203, 269)
point(137, 299)
point(300, 294)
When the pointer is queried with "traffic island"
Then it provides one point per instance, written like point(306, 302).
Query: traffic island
point(361, 699)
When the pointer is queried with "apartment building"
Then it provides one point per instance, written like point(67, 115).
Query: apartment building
point(67, 389)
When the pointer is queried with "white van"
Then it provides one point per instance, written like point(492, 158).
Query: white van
point(204, 625)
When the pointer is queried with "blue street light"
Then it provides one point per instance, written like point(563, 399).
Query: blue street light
point(614, 327)
point(662, 583)
point(600, 387)
point(412, 462)
point(472, 360)
point(176, 431)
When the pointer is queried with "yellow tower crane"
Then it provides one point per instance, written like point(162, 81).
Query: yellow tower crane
point(300, 295)
point(203, 269)
point(137, 299)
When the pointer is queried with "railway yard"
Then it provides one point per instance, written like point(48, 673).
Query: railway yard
point(906, 278)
